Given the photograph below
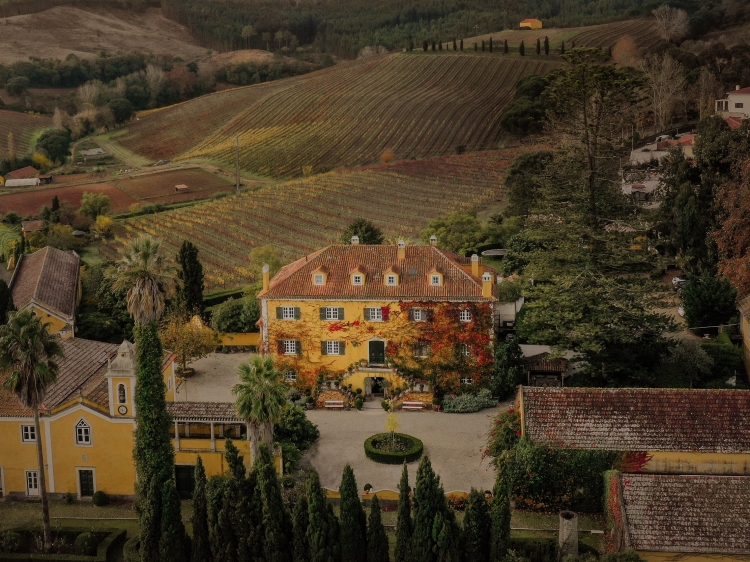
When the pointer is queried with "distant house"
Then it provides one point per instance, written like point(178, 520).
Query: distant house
point(48, 282)
point(686, 142)
point(181, 188)
point(736, 104)
point(22, 173)
point(92, 153)
point(531, 24)
point(27, 227)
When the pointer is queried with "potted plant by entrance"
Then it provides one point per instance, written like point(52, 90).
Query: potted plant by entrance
point(368, 487)
point(363, 362)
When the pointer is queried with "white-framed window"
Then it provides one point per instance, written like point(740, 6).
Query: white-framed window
point(422, 350)
point(391, 279)
point(467, 380)
point(290, 376)
point(465, 316)
point(374, 314)
point(287, 313)
point(83, 433)
point(332, 313)
point(333, 348)
point(289, 346)
point(358, 279)
point(319, 279)
point(28, 434)
point(419, 315)
point(32, 482)
point(739, 105)
point(465, 349)
point(436, 280)
point(122, 396)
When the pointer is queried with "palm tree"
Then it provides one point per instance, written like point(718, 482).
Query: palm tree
point(261, 397)
point(28, 353)
point(147, 275)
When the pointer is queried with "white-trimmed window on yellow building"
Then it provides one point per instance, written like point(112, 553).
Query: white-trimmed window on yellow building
point(332, 347)
point(83, 433)
point(28, 433)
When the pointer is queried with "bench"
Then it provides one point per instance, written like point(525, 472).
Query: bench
point(335, 404)
point(412, 405)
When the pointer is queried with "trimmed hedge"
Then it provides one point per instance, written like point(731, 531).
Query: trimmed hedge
point(468, 403)
point(385, 457)
point(103, 551)
point(130, 549)
point(544, 549)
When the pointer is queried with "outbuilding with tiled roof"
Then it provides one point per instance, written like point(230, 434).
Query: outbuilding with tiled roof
point(24, 173)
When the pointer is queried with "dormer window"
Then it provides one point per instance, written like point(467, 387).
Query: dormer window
point(436, 279)
point(319, 279)
point(358, 279)
point(391, 279)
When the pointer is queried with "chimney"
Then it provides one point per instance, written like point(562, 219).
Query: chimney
point(266, 276)
point(401, 250)
point(487, 284)
point(355, 240)
point(433, 240)
point(475, 265)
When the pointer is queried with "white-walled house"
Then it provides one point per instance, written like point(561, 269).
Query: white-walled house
point(736, 104)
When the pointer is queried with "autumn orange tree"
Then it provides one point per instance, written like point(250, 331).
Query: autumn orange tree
point(733, 236)
point(189, 339)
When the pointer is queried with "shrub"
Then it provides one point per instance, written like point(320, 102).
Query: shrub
point(358, 403)
point(505, 433)
point(368, 487)
point(86, 544)
point(412, 453)
point(130, 550)
point(100, 499)
point(70, 498)
point(385, 405)
point(466, 403)
point(10, 541)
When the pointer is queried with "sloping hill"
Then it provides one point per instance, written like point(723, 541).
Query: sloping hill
point(302, 215)
point(415, 105)
point(23, 126)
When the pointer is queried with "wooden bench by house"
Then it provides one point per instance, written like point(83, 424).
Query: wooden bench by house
point(335, 404)
point(412, 405)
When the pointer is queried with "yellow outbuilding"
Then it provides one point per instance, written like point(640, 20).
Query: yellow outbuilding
point(531, 23)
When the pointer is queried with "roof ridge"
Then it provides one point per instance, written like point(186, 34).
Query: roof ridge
point(457, 265)
point(41, 272)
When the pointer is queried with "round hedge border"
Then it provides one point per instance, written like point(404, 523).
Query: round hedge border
point(385, 457)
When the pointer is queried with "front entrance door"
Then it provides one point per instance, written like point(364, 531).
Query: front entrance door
point(32, 482)
point(86, 482)
point(377, 352)
point(185, 480)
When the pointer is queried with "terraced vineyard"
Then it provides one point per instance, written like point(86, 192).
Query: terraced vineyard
point(22, 125)
point(302, 215)
point(416, 106)
point(643, 33)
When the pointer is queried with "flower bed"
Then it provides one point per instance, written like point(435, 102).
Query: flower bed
point(320, 403)
point(408, 448)
point(63, 549)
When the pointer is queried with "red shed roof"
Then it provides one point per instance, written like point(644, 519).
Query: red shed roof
point(740, 91)
point(696, 514)
point(22, 173)
point(639, 419)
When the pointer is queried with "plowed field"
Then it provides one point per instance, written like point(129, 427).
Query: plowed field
point(22, 125)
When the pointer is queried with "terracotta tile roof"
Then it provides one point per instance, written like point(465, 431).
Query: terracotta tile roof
point(733, 122)
point(82, 372)
point(740, 91)
point(203, 411)
point(295, 279)
point(49, 277)
point(32, 226)
point(639, 419)
point(542, 362)
point(698, 514)
point(22, 173)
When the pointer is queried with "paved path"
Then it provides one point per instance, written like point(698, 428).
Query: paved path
point(214, 378)
point(454, 443)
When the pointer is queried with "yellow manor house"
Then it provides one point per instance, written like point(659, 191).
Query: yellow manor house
point(370, 313)
point(87, 425)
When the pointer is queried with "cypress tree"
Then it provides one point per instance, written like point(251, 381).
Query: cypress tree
point(201, 548)
point(454, 44)
point(500, 516)
point(429, 507)
point(476, 532)
point(377, 541)
point(224, 540)
point(475, 46)
point(235, 461)
point(462, 44)
point(424, 46)
point(538, 46)
point(404, 526)
point(505, 47)
point(55, 210)
point(562, 48)
point(546, 45)
point(440, 45)
point(447, 535)
point(322, 530)
point(521, 49)
point(352, 520)
point(433, 46)
point(247, 516)
point(482, 45)
point(300, 523)
point(149, 518)
point(214, 502)
point(490, 44)
point(411, 44)
point(277, 525)
point(6, 301)
point(173, 543)
point(190, 293)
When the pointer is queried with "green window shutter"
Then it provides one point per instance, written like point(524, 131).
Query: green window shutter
point(322, 312)
point(323, 348)
point(297, 313)
point(342, 348)
point(367, 313)
point(299, 347)
point(341, 313)
point(279, 313)
point(411, 315)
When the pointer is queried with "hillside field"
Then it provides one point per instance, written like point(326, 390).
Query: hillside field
point(305, 214)
point(23, 126)
point(415, 105)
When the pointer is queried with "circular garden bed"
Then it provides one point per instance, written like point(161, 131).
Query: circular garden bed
point(393, 448)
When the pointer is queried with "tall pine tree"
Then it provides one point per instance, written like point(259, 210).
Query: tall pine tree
point(353, 523)
point(277, 525)
point(149, 511)
point(322, 530)
point(190, 293)
point(300, 522)
point(429, 509)
point(505, 47)
point(538, 46)
point(521, 49)
point(235, 461)
point(500, 516)
point(476, 531)
point(247, 517)
point(546, 45)
point(201, 548)
point(377, 541)
point(404, 525)
point(173, 544)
